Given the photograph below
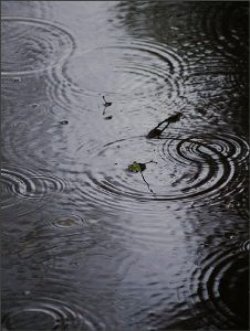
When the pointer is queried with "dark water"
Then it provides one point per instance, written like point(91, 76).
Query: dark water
point(86, 244)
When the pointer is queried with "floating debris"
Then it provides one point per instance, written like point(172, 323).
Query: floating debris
point(174, 118)
point(106, 103)
point(140, 167)
point(108, 117)
point(17, 79)
point(136, 167)
point(64, 122)
point(156, 132)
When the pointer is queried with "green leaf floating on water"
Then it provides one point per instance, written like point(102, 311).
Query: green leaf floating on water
point(136, 167)
point(140, 167)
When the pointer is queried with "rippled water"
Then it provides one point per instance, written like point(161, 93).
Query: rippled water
point(87, 244)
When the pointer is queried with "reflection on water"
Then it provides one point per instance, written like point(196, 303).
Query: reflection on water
point(86, 244)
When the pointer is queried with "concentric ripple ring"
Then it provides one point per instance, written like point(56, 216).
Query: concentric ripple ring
point(188, 168)
point(22, 186)
point(51, 314)
point(137, 68)
point(216, 287)
point(32, 45)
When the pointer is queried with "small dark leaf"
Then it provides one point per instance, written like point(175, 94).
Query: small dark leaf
point(108, 117)
point(65, 122)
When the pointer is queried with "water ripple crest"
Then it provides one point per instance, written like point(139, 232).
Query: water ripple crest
point(190, 167)
point(137, 68)
point(52, 314)
point(217, 289)
point(23, 186)
point(33, 45)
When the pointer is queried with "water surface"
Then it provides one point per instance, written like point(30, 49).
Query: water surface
point(88, 245)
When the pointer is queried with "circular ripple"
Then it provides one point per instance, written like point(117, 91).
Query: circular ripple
point(188, 168)
point(51, 314)
point(31, 45)
point(220, 162)
point(219, 288)
point(229, 146)
point(245, 245)
point(137, 68)
point(24, 191)
point(63, 91)
point(66, 222)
